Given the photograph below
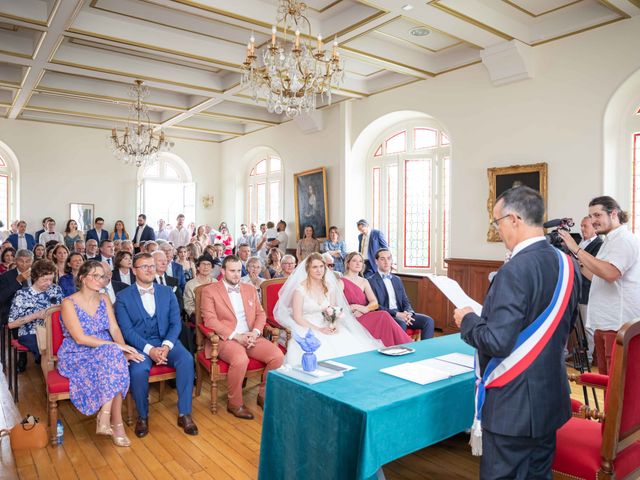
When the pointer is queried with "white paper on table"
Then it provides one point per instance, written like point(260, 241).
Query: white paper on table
point(453, 291)
point(451, 369)
point(416, 373)
point(459, 359)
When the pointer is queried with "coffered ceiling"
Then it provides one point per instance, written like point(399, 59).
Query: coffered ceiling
point(72, 61)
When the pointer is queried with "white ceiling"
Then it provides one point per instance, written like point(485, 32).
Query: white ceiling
point(72, 61)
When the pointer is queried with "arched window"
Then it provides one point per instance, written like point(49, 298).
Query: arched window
point(8, 186)
point(165, 190)
point(265, 189)
point(408, 194)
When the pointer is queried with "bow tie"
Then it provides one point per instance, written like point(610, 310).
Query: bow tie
point(144, 291)
point(233, 289)
point(386, 276)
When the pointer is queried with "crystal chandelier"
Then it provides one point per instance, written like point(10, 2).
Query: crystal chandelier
point(291, 80)
point(139, 145)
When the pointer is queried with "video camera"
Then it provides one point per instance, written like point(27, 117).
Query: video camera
point(553, 237)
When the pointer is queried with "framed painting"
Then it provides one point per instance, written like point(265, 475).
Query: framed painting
point(82, 213)
point(502, 179)
point(310, 197)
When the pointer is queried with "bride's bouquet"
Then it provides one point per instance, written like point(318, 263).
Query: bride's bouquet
point(331, 315)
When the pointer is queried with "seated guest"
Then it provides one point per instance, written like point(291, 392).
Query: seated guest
point(36, 235)
point(203, 276)
point(392, 297)
point(308, 244)
point(127, 246)
point(7, 259)
point(79, 247)
point(110, 288)
point(336, 248)
point(71, 234)
point(150, 246)
point(106, 253)
point(29, 306)
point(22, 240)
point(97, 233)
point(184, 259)
point(165, 279)
point(215, 253)
point(6, 244)
point(244, 251)
point(67, 282)
point(116, 247)
point(59, 255)
point(273, 262)
point(122, 268)
point(93, 355)
point(254, 267)
point(50, 234)
point(119, 232)
point(149, 317)
point(288, 264)
point(364, 304)
point(174, 269)
point(91, 246)
point(38, 252)
point(232, 309)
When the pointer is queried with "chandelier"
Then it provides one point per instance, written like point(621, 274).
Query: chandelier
point(139, 145)
point(291, 79)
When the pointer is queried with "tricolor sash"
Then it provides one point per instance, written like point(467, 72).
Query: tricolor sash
point(530, 342)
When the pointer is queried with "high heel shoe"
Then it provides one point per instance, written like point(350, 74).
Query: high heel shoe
point(120, 441)
point(102, 429)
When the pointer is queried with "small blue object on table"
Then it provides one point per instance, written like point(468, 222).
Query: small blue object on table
point(350, 427)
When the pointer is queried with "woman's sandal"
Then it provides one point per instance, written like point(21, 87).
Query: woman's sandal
point(122, 441)
point(102, 429)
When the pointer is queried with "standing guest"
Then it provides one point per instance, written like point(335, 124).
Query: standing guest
point(261, 246)
point(212, 233)
point(288, 265)
point(97, 233)
point(127, 246)
point(174, 269)
point(38, 252)
point(91, 246)
point(183, 258)
point(336, 248)
point(533, 296)
point(79, 247)
point(244, 253)
point(67, 282)
point(180, 235)
point(59, 255)
point(226, 239)
point(29, 306)
point(143, 233)
point(392, 297)
point(71, 234)
point(244, 235)
point(7, 259)
point(149, 317)
point(93, 355)
point(370, 241)
point(106, 253)
point(307, 244)
point(254, 267)
point(36, 235)
point(253, 239)
point(22, 240)
point(364, 304)
point(201, 237)
point(50, 234)
point(273, 263)
point(614, 297)
point(282, 239)
point(203, 276)
point(163, 232)
point(122, 271)
point(119, 232)
point(232, 309)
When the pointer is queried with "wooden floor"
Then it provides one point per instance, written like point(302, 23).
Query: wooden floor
point(227, 448)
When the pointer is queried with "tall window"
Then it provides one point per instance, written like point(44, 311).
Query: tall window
point(408, 195)
point(165, 190)
point(8, 207)
point(265, 190)
point(635, 203)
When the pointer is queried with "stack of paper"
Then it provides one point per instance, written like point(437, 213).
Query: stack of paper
point(432, 369)
point(458, 359)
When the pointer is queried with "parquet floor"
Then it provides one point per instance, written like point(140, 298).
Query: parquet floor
point(227, 448)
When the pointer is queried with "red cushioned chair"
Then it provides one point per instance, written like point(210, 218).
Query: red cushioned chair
point(609, 448)
point(157, 374)
point(16, 349)
point(57, 385)
point(270, 290)
point(216, 367)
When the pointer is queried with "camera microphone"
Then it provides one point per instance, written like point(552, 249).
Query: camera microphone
point(553, 223)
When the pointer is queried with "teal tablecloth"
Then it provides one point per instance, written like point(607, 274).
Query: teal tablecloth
point(349, 427)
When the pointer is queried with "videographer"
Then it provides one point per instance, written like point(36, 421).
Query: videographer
point(615, 274)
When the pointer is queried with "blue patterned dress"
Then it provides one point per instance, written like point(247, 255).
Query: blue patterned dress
point(96, 374)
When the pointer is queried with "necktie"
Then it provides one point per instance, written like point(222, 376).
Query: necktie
point(144, 291)
point(386, 276)
point(235, 289)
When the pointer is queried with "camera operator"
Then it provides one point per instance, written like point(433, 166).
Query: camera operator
point(615, 274)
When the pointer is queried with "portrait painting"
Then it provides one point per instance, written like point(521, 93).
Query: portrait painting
point(502, 179)
point(82, 213)
point(310, 196)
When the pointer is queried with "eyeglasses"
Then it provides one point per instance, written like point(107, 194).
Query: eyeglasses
point(145, 267)
point(496, 221)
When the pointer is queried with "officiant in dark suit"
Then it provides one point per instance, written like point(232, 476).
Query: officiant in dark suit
point(527, 399)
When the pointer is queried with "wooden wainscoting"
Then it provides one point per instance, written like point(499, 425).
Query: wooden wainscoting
point(473, 277)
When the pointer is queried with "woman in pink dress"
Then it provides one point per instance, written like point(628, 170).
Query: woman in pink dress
point(226, 239)
point(364, 304)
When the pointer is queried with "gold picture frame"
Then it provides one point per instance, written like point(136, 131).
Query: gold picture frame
point(310, 199)
point(504, 178)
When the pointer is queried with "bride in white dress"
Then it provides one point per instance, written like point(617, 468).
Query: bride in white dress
point(304, 297)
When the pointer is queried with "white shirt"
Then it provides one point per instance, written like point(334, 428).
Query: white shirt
point(111, 293)
point(393, 302)
point(180, 237)
point(611, 304)
point(524, 244)
point(47, 236)
point(125, 278)
point(365, 246)
point(583, 244)
point(22, 241)
point(139, 233)
point(162, 234)
point(283, 241)
point(238, 307)
point(108, 260)
point(149, 304)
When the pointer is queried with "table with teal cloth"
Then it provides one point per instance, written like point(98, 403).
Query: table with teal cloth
point(349, 427)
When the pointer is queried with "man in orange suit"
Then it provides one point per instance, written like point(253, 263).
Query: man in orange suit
point(233, 310)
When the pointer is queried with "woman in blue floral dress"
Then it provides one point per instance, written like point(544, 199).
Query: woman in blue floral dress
point(93, 354)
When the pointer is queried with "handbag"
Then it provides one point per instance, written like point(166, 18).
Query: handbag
point(27, 434)
point(41, 337)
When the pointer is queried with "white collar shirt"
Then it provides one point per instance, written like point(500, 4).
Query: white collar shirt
point(585, 242)
point(238, 308)
point(180, 236)
point(393, 301)
point(139, 233)
point(108, 290)
point(524, 244)
point(365, 246)
point(22, 241)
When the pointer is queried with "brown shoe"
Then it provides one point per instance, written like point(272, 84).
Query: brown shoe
point(142, 427)
point(260, 401)
point(187, 424)
point(241, 412)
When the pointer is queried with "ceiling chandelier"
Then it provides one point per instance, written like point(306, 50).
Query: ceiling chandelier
point(139, 145)
point(291, 79)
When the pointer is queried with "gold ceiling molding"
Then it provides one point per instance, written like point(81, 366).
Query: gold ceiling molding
point(413, 80)
point(417, 45)
point(11, 85)
point(11, 27)
point(459, 67)
point(613, 8)
point(205, 130)
point(442, 32)
point(326, 7)
point(470, 20)
point(17, 54)
point(386, 61)
point(239, 118)
point(635, 2)
point(582, 30)
point(546, 12)
point(32, 21)
point(73, 113)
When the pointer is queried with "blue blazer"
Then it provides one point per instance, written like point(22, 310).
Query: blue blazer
point(146, 235)
point(402, 301)
point(132, 316)
point(92, 234)
point(536, 402)
point(178, 274)
point(13, 238)
point(376, 242)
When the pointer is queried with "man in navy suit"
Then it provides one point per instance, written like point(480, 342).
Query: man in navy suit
point(174, 269)
point(144, 232)
point(520, 418)
point(392, 297)
point(97, 233)
point(106, 253)
point(370, 241)
point(149, 317)
point(22, 239)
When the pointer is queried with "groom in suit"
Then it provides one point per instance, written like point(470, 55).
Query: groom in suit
point(233, 310)
point(393, 298)
point(149, 318)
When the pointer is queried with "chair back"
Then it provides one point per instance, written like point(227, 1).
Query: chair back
point(53, 328)
point(270, 290)
point(622, 409)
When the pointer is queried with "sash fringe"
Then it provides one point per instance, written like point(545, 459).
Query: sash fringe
point(476, 438)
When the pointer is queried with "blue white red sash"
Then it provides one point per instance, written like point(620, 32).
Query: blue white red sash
point(530, 342)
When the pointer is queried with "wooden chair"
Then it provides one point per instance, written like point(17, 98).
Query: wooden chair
point(57, 385)
point(609, 448)
point(216, 367)
point(270, 290)
point(157, 374)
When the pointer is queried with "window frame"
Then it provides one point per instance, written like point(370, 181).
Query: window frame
point(253, 202)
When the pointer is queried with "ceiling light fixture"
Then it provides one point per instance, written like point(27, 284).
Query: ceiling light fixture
point(407, 7)
point(419, 32)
